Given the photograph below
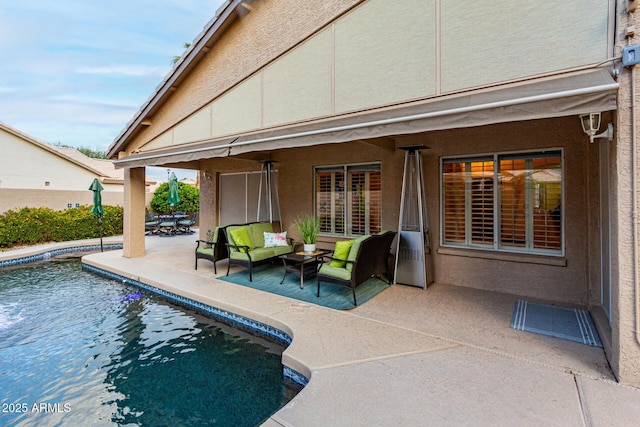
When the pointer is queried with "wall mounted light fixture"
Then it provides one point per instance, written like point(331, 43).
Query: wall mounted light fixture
point(591, 125)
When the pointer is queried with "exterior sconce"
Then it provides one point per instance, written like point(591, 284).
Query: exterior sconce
point(591, 125)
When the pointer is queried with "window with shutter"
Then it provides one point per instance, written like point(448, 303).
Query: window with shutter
point(349, 199)
point(504, 202)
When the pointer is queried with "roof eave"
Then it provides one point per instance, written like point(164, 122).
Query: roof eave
point(226, 14)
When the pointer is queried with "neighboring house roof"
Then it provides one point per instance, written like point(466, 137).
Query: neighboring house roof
point(224, 16)
point(102, 168)
point(189, 181)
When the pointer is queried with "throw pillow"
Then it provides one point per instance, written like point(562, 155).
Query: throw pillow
point(272, 240)
point(341, 252)
point(241, 238)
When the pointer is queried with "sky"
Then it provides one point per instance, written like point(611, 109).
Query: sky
point(75, 72)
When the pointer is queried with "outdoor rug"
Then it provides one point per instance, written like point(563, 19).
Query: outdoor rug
point(267, 278)
point(553, 321)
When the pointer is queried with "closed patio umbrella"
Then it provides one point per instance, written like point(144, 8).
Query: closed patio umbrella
point(97, 209)
point(173, 198)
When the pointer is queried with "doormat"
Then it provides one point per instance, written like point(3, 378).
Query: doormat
point(267, 278)
point(560, 322)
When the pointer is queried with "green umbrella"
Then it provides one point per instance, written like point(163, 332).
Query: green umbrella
point(97, 210)
point(96, 187)
point(174, 198)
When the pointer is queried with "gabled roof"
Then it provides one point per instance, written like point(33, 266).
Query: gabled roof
point(102, 168)
point(224, 17)
point(105, 167)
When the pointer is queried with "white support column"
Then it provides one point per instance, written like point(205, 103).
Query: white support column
point(134, 204)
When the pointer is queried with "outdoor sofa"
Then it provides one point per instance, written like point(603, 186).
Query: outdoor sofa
point(356, 261)
point(255, 244)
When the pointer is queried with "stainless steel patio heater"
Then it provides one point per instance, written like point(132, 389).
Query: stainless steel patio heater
point(413, 254)
point(268, 201)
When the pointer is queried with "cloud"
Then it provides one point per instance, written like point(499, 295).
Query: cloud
point(124, 70)
point(76, 72)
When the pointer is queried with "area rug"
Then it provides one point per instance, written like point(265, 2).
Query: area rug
point(267, 278)
point(554, 321)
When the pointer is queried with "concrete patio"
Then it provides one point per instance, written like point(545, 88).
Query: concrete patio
point(407, 357)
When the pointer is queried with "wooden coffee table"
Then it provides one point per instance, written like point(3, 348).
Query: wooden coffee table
point(302, 263)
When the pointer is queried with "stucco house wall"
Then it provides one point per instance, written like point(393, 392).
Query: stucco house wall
point(35, 174)
point(345, 59)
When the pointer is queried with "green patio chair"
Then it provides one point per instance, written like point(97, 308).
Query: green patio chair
point(184, 225)
point(214, 250)
point(368, 257)
point(151, 224)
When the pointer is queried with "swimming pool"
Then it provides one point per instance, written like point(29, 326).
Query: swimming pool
point(79, 349)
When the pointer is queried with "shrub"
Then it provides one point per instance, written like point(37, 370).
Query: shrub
point(189, 199)
point(29, 226)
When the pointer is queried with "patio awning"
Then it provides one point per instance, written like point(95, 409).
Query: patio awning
point(557, 96)
point(177, 154)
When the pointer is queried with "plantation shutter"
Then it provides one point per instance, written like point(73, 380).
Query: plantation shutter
point(482, 185)
point(330, 200)
point(453, 203)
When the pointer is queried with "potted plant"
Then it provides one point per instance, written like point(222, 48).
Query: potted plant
point(309, 227)
point(209, 239)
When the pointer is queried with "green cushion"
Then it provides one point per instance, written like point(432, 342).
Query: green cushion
point(256, 231)
point(241, 237)
point(337, 272)
point(229, 229)
point(353, 252)
point(256, 255)
point(341, 252)
point(281, 250)
point(205, 250)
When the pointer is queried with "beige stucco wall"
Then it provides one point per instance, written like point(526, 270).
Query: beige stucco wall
point(626, 248)
point(256, 39)
point(569, 278)
point(33, 176)
point(486, 42)
point(553, 278)
point(27, 166)
point(531, 39)
point(134, 206)
point(382, 53)
point(13, 199)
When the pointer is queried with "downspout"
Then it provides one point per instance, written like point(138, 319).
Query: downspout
point(634, 198)
point(634, 188)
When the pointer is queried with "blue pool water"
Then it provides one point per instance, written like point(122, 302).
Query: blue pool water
point(79, 349)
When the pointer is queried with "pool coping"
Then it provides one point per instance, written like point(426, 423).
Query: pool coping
point(47, 254)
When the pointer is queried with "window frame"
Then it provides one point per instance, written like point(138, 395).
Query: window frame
point(348, 211)
point(497, 245)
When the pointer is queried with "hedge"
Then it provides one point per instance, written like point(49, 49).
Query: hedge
point(30, 226)
point(189, 199)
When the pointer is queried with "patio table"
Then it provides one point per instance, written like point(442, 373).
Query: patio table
point(302, 263)
point(169, 224)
